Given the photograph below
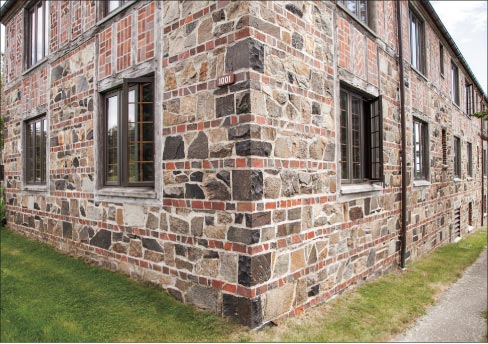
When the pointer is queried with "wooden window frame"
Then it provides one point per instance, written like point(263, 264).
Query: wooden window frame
point(423, 172)
point(420, 60)
point(469, 92)
point(469, 149)
point(122, 140)
point(370, 111)
point(356, 12)
point(441, 59)
point(455, 84)
point(29, 48)
point(31, 162)
point(457, 157)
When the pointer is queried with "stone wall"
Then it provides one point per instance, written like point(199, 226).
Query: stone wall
point(248, 217)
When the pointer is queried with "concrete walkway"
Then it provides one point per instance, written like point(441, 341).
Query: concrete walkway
point(457, 316)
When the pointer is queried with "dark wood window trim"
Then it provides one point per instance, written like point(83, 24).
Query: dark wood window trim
point(36, 150)
point(420, 149)
point(469, 148)
point(36, 33)
point(122, 156)
point(457, 157)
point(417, 42)
point(455, 83)
point(441, 59)
point(361, 138)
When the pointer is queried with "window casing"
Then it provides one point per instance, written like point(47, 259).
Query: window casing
point(358, 8)
point(37, 42)
point(454, 83)
point(441, 58)
point(417, 42)
point(469, 99)
point(457, 157)
point(129, 134)
point(35, 144)
point(420, 149)
point(112, 5)
point(361, 138)
point(469, 148)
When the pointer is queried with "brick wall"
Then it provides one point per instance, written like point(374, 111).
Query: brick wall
point(249, 217)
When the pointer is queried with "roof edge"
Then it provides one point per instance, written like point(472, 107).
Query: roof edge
point(6, 7)
point(440, 25)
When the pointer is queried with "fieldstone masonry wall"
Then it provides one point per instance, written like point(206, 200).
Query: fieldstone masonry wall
point(249, 217)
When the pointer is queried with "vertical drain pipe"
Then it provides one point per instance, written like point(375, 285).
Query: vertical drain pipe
point(483, 171)
point(403, 234)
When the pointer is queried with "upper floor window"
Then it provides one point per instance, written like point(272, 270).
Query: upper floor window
point(357, 7)
point(469, 99)
point(454, 83)
point(129, 134)
point(361, 138)
point(417, 42)
point(457, 157)
point(38, 29)
point(470, 159)
point(112, 5)
point(441, 58)
point(35, 143)
point(484, 163)
point(420, 149)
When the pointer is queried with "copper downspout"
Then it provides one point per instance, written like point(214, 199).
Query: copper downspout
point(403, 233)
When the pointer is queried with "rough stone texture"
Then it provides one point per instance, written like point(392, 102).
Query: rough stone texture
point(247, 311)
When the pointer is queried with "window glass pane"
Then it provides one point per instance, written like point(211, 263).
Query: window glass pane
point(344, 137)
point(356, 136)
point(362, 11)
point(351, 6)
point(44, 150)
point(413, 41)
point(30, 133)
point(40, 33)
point(33, 36)
point(113, 4)
point(112, 140)
point(46, 27)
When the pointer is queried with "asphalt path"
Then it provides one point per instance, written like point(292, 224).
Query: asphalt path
point(457, 317)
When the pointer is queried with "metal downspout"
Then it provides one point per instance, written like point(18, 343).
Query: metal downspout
point(403, 234)
point(483, 171)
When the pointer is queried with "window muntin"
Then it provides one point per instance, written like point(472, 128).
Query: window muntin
point(457, 157)
point(357, 7)
point(38, 29)
point(361, 138)
point(441, 58)
point(35, 143)
point(417, 43)
point(129, 128)
point(420, 149)
point(469, 148)
point(454, 83)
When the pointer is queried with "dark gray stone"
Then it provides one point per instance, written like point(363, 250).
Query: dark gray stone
point(180, 250)
point(315, 108)
point(60, 184)
point(194, 191)
point(248, 53)
point(297, 41)
point(190, 27)
point(174, 148)
point(64, 207)
point(257, 148)
point(224, 176)
point(314, 290)
point(247, 185)
point(199, 147)
point(57, 73)
point(295, 10)
point(67, 230)
point(196, 176)
point(243, 102)
point(224, 106)
point(240, 132)
point(258, 219)
point(218, 16)
point(217, 190)
point(152, 244)
point(243, 235)
point(254, 270)
point(102, 239)
point(247, 311)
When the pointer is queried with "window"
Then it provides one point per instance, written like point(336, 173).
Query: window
point(469, 99)
point(457, 157)
point(129, 134)
point(420, 149)
point(454, 83)
point(417, 43)
point(484, 163)
point(357, 7)
point(35, 143)
point(441, 58)
point(112, 5)
point(361, 138)
point(470, 213)
point(444, 147)
point(470, 159)
point(38, 29)
point(457, 222)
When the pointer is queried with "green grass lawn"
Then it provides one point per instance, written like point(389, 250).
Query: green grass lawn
point(49, 297)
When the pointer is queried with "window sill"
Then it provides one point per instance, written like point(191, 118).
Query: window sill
point(421, 183)
point(114, 13)
point(130, 192)
point(359, 188)
point(35, 188)
point(457, 180)
point(37, 65)
point(419, 72)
